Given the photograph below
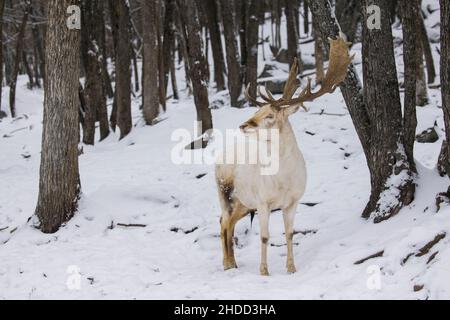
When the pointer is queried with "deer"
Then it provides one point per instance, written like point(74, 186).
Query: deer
point(243, 190)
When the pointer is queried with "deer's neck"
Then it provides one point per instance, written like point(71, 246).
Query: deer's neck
point(288, 142)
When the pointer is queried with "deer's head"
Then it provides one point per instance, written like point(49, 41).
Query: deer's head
point(273, 113)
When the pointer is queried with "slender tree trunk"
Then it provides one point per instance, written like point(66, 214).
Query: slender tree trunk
point(348, 13)
point(59, 183)
point(94, 87)
point(409, 25)
point(232, 53)
point(123, 71)
point(168, 40)
point(243, 10)
point(2, 8)
point(161, 58)
point(38, 40)
point(422, 31)
point(26, 65)
point(216, 42)
point(292, 36)
point(306, 16)
point(150, 94)
point(421, 82)
point(197, 63)
point(251, 66)
point(318, 53)
point(444, 158)
point(18, 57)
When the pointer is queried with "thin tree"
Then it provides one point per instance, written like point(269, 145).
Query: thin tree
point(292, 35)
point(232, 52)
point(2, 8)
point(409, 25)
point(95, 92)
point(444, 158)
point(150, 94)
point(251, 32)
point(216, 42)
point(59, 182)
point(197, 63)
point(18, 58)
point(123, 71)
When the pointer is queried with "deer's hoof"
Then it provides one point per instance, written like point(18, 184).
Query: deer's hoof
point(263, 270)
point(291, 268)
point(227, 265)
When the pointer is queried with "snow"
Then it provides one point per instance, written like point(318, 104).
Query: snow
point(173, 249)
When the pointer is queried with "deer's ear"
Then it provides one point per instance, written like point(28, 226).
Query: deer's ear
point(290, 110)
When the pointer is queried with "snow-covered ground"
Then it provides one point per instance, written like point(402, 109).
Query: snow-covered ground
point(176, 253)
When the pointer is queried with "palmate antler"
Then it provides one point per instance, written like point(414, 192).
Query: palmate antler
point(337, 71)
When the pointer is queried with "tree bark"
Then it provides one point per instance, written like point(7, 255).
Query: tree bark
point(94, 87)
point(197, 62)
point(421, 82)
point(232, 53)
point(59, 183)
point(18, 57)
point(123, 72)
point(348, 14)
point(444, 158)
point(150, 94)
point(2, 8)
point(421, 29)
point(216, 42)
point(251, 65)
point(318, 54)
point(390, 168)
point(409, 25)
point(292, 36)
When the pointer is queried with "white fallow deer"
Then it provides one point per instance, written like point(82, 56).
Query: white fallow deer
point(242, 188)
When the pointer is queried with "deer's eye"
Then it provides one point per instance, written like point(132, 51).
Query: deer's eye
point(270, 116)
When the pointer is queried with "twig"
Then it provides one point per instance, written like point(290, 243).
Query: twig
point(375, 255)
point(132, 225)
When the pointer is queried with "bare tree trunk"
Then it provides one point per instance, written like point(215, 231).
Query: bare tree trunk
point(168, 42)
point(94, 87)
point(292, 36)
point(421, 82)
point(318, 53)
point(421, 29)
point(123, 72)
point(150, 94)
point(216, 42)
point(19, 48)
point(306, 16)
point(161, 58)
point(197, 63)
point(26, 65)
point(38, 40)
point(389, 166)
point(232, 53)
point(251, 66)
point(2, 8)
point(444, 158)
point(409, 24)
point(59, 183)
point(348, 13)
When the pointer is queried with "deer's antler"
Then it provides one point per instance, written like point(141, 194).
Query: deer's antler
point(337, 71)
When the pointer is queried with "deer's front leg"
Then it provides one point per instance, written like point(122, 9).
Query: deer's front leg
point(288, 217)
point(264, 215)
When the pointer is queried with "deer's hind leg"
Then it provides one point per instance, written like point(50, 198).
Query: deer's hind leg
point(228, 222)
